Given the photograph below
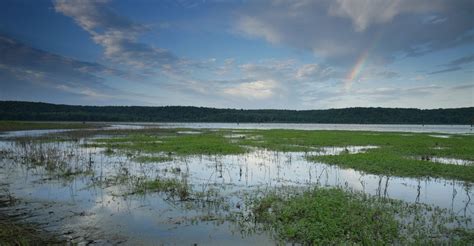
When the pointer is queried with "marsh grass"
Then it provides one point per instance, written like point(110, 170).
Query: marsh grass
point(387, 162)
point(391, 158)
point(208, 143)
point(58, 160)
point(327, 216)
point(152, 159)
point(333, 216)
point(172, 187)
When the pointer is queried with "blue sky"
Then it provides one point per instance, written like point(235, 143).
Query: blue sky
point(284, 54)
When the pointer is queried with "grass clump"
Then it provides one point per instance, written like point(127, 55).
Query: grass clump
point(152, 159)
point(327, 216)
point(172, 187)
point(207, 143)
point(334, 216)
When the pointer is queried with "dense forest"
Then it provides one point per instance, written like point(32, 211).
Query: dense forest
point(35, 111)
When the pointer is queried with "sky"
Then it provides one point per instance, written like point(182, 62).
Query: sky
point(251, 54)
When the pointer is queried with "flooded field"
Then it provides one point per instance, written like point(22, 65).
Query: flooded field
point(453, 129)
point(134, 186)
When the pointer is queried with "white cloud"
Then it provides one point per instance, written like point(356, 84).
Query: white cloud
point(261, 89)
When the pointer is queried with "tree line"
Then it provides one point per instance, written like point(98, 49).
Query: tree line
point(37, 111)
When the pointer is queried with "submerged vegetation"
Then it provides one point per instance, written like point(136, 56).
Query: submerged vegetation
point(64, 163)
point(152, 159)
point(172, 187)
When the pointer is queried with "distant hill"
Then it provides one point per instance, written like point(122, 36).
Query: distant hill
point(34, 111)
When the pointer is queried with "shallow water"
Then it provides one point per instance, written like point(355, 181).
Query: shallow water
point(450, 129)
point(84, 209)
point(440, 136)
point(445, 129)
point(451, 161)
point(30, 133)
point(36, 133)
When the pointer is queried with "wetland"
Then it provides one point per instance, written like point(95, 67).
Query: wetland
point(192, 184)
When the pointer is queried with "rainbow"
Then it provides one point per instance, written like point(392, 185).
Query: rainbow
point(356, 69)
point(360, 63)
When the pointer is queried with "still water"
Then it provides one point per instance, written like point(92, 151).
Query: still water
point(453, 129)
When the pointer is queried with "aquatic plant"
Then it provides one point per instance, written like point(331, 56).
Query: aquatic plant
point(172, 187)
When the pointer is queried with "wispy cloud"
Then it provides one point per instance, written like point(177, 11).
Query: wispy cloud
point(23, 64)
point(446, 70)
point(455, 65)
point(464, 87)
point(116, 33)
point(461, 61)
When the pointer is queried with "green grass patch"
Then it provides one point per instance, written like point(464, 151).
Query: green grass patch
point(172, 187)
point(327, 216)
point(208, 143)
point(393, 157)
point(388, 162)
point(338, 217)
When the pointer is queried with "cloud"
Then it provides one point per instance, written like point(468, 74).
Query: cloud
point(446, 70)
point(370, 12)
point(22, 66)
point(340, 31)
point(376, 73)
point(116, 33)
point(397, 91)
point(455, 65)
point(252, 26)
point(461, 61)
point(464, 87)
point(316, 72)
point(254, 90)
